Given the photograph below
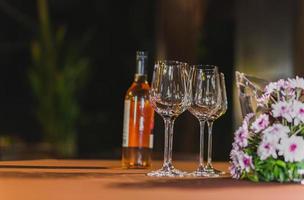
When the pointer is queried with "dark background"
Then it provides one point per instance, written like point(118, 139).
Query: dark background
point(116, 29)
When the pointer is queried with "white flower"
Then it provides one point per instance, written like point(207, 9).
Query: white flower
point(234, 155)
point(267, 148)
point(283, 84)
point(241, 136)
point(270, 140)
point(235, 171)
point(260, 123)
point(296, 82)
point(283, 109)
point(263, 99)
point(271, 87)
point(240, 162)
point(247, 119)
point(292, 149)
point(289, 94)
point(298, 112)
point(235, 146)
point(275, 132)
point(245, 162)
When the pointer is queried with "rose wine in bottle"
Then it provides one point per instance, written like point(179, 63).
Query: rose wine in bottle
point(137, 142)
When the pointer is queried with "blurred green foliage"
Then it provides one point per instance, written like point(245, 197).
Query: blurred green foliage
point(57, 75)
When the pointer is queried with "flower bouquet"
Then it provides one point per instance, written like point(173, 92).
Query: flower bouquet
point(269, 145)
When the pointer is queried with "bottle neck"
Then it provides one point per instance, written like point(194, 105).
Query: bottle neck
point(141, 66)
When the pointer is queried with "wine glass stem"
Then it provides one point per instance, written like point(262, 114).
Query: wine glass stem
point(209, 160)
point(201, 154)
point(169, 123)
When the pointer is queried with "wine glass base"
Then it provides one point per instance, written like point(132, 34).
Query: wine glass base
point(200, 172)
point(211, 172)
point(167, 172)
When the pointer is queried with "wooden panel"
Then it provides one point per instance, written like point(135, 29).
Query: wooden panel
point(178, 27)
point(299, 39)
point(264, 40)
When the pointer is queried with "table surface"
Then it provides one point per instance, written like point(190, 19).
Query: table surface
point(102, 180)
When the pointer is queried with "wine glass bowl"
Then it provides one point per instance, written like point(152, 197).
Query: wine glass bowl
point(168, 94)
point(204, 91)
point(223, 103)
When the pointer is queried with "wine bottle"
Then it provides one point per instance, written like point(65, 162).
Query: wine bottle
point(138, 122)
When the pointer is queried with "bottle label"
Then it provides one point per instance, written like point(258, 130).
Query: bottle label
point(151, 141)
point(125, 137)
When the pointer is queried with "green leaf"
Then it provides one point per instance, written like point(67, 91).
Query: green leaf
point(276, 171)
point(281, 177)
point(253, 177)
point(281, 163)
point(300, 165)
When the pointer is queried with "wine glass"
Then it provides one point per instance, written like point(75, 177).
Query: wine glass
point(169, 97)
point(249, 89)
point(209, 170)
point(204, 101)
